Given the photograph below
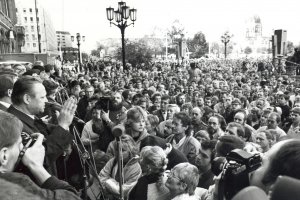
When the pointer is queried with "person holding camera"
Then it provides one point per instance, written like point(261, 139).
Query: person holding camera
point(28, 100)
point(12, 151)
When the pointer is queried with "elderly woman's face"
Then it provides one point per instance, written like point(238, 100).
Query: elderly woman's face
point(173, 182)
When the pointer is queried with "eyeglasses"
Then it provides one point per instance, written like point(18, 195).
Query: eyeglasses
point(172, 175)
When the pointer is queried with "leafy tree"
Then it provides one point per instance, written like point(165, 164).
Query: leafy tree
point(198, 45)
point(215, 48)
point(176, 32)
point(136, 52)
point(248, 50)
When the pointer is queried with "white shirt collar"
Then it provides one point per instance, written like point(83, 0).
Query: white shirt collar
point(5, 104)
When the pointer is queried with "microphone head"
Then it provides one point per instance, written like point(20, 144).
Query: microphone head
point(286, 188)
point(251, 193)
point(118, 130)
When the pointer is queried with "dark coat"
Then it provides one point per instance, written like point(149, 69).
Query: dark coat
point(175, 157)
point(57, 138)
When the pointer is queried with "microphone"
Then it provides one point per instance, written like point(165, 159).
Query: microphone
point(58, 107)
point(118, 131)
point(251, 193)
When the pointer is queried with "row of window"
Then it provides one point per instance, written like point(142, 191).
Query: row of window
point(30, 10)
point(33, 28)
point(33, 37)
point(33, 45)
point(31, 19)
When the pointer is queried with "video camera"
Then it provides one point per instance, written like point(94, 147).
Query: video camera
point(235, 173)
point(104, 103)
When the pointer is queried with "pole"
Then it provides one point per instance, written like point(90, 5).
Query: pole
point(123, 47)
point(38, 28)
point(79, 60)
point(120, 167)
point(166, 46)
point(225, 50)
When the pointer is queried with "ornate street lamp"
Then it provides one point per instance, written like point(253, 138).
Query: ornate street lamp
point(78, 39)
point(226, 39)
point(121, 17)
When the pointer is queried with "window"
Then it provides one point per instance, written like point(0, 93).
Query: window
point(37, 19)
point(33, 37)
point(32, 28)
point(26, 28)
point(25, 19)
point(27, 37)
point(31, 19)
point(28, 45)
point(24, 10)
point(30, 10)
point(34, 44)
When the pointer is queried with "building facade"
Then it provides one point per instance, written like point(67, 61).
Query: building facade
point(11, 37)
point(39, 29)
point(63, 39)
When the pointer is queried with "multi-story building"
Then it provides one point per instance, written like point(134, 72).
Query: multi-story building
point(11, 37)
point(63, 39)
point(39, 29)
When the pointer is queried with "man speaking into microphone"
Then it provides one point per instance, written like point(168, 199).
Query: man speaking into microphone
point(28, 100)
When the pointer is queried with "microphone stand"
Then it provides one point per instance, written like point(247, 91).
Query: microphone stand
point(120, 167)
point(86, 159)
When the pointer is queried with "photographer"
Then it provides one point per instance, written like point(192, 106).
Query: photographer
point(19, 186)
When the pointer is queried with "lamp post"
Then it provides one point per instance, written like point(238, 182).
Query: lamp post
point(78, 38)
point(121, 16)
point(225, 39)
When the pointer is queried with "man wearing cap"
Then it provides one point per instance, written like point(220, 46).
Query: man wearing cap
point(294, 129)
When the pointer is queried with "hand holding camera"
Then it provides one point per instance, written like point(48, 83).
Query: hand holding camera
point(34, 155)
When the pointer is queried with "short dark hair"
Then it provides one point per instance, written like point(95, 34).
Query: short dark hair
point(184, 117)
point(21, 87)
point(6, 83)
point(152, 140)
point(48, 68)
point(10, 129)
point(285, 163)
point(209, 145)
point(227, 143)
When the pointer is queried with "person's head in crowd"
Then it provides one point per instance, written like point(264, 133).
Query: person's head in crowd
point(19, 69)
point(10, 142)
point(283, 99)
point(146, 83)
point(265, 139)
point(207, 101)
point(205, 155)
point(6, 88)
point(236, 129)
point(49, 69)
point(238, 92)
point(183, 179)
point(51, 88)
point(168, 128)
point(196, 115)
point(227, 143)
point(42, 73)
point(126, 95)
point(295, 116)
point(240, 117)
point(264, 117)
point(96, 113)
point(136, 98)
point(190, 89)
point(236, 104)
point(187, 107)
point(200, 101)
point(117, 101)
point(29, 95)
point(281, 160)
point(202, 135)
point(151, 124)
point(93, 100)
point(214, 100)
point(213, 126)
point(89, 91)
point(181, 123)
point(171, 110)
point(165, 100)
point(273, 120)
point(153, 160)
point(180, 99)
point(75, 88)
point(156, 100)
point(228, 100)
point(139, 84)
point(135, 123)
point(196, 95)
point(142, 102)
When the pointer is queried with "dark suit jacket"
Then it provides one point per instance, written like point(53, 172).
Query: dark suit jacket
point(159, 114)
point(175, 157)
point(57, 138)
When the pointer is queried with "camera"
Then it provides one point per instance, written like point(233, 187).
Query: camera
point(27, 140)
point(235, 173)
point(104, 103)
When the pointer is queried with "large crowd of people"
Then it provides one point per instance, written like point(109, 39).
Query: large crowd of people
point(168, 128)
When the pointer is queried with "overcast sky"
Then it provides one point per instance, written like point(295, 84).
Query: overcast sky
point(212, 17)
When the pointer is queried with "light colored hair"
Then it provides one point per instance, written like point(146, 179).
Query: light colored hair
point(154, 158)
point(189, 175)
